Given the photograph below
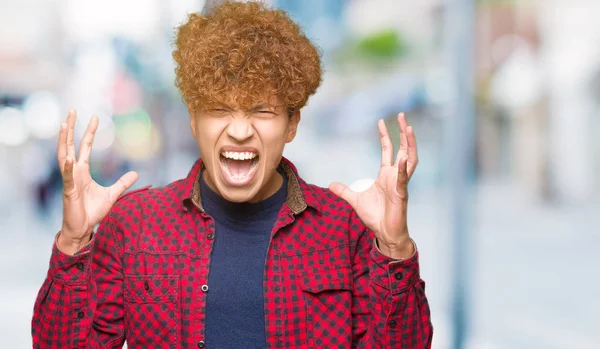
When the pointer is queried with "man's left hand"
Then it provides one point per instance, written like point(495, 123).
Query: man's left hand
point(383, 207)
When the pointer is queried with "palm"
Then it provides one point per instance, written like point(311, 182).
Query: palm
point(85, 202)
point(89, 200)
point(373, 203)
point(383, 206)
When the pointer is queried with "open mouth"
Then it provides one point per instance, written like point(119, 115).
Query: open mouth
point(238, 167)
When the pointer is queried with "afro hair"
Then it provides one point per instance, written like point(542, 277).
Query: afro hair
point(240, 52)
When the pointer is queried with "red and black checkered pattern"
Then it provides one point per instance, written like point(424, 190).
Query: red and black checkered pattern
point(326, 285)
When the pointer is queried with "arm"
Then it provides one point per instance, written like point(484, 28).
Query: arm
point(80, 304)
point(390, 309)
point(390, 305)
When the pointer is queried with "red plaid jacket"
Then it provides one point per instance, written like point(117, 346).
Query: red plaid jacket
point(141, 278)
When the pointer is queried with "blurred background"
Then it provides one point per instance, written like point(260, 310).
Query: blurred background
point(504, 97)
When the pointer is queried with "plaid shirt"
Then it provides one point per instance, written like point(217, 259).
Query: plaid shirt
point(143, 278)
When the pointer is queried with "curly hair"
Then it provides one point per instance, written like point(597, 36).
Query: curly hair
point(240, 52)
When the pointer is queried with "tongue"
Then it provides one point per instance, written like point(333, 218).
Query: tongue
point(239, 167)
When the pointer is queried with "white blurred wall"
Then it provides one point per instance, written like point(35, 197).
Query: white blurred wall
point(571, 33)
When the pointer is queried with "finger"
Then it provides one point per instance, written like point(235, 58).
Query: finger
point(345, 193)
point(402, 182)
point(413, 156)
point(68, 183)
point(85, 148)
point(121, 185)
point(403, 139)
point(387, 149)
point(61, 151)
point(71, 133)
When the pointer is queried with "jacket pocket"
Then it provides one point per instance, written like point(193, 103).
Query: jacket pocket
point(152, 314)
point(328, 300)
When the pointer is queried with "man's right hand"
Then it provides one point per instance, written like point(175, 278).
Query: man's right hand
point(85, 202)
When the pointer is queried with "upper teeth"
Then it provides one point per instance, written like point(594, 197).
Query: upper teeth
point(238, 155)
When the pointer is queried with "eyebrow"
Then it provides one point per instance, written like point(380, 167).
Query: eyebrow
point(259, 107)
point(224, 106)
point(255, 108)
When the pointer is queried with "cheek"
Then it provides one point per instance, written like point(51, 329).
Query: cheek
point(208, 133)
point(273, 136)
point(272, 132)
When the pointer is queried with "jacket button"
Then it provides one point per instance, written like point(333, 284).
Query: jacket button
point(79, 266)
point(204, 288)
point(392, 323)
point(80, 315)
point(398, 276)
point(211, 236)
point(201, 344)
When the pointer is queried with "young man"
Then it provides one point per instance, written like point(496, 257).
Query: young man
point(242, 253)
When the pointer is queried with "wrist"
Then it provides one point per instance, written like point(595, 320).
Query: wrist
point(71, 246)
point(401, 249)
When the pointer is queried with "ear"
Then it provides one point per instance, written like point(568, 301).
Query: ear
point(293, 126)
point(192, 122)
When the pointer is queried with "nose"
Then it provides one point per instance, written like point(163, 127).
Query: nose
point(240, 129)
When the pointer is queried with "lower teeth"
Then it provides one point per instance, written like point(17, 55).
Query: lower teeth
point(239, 177)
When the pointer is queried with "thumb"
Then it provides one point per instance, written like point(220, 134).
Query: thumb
point(345, 193)
point(122, 184)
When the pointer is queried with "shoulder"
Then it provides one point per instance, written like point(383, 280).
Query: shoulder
point(328, 202)
point(148, 198)
point(136, 210)
point(337, 218)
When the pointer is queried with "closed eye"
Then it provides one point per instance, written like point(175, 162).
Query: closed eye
point(263, 111)
point(264, 114)
point(219, 112)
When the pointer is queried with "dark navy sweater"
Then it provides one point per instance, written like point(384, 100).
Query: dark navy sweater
point(235, 316)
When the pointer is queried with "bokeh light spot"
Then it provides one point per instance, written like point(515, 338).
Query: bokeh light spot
point(13, 130)
point(42, 114)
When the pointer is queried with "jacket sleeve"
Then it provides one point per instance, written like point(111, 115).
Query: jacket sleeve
point(390, 309)
point(80, 303)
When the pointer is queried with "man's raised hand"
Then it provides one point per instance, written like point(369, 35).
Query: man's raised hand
point(383, 207)
point(85, 202)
